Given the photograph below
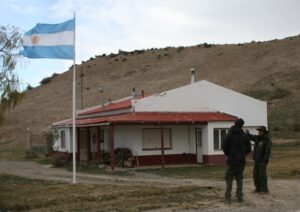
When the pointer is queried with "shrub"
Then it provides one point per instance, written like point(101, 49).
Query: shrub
point(29, 87)
point(206, 45)
point(45, 80)
point(59, 159)
point(121, 155)
point(180, 48)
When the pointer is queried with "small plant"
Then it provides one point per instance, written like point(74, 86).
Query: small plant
point(180, 48)
point(206, 45)
point(59, 159)
point(45, 80)
point(124, 59)
point(29, 87)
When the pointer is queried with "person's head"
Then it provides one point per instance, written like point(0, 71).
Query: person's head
point(239, 123)
point(261, 130)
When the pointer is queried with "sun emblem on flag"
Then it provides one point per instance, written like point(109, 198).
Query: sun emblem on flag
point(35, 39)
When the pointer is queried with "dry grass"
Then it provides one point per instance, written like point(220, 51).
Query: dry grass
point(284, 163)
point(24, 194)
point(19, 193)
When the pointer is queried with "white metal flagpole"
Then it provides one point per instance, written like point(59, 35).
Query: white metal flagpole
point(74, 107)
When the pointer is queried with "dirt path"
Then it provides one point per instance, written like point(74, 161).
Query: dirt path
point(284, 194)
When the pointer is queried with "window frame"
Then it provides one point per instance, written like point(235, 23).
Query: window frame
point(169, 147)
point(220, 138)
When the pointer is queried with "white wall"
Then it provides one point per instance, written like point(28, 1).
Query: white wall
point(205, 96)
point(131, 137)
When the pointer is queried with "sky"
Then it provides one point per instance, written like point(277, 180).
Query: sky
point(107, 26)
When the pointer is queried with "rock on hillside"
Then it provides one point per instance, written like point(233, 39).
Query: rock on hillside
point(266, 70)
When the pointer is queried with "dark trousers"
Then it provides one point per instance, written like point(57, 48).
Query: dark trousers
point(234, 172)
point(260, 177)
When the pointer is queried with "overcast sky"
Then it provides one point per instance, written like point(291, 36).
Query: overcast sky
point(105, 26)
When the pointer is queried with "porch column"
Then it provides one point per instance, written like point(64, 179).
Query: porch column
point(162, 146)
point(99, 144)
point(88, 144)
point(78, 144)
point(112, 148)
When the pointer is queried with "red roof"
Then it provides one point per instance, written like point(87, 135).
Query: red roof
point(112, 106)
point(151, 118)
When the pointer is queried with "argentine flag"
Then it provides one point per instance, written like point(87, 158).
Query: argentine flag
point(50, 41)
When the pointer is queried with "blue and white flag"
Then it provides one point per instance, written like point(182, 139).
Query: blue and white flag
point(50, 41)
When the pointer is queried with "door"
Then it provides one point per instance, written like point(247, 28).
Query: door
point(199, 149)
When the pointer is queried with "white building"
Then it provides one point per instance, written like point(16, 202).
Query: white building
point(183, 125)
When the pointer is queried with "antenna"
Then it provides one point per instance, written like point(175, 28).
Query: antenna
point(101, 89)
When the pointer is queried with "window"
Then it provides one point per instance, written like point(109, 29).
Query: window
point(219, 135)
point(63, 139)
point(151, 139)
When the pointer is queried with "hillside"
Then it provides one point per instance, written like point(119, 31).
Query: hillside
point(265, 70)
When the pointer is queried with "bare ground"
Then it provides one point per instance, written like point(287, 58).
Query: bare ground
point(284, 194)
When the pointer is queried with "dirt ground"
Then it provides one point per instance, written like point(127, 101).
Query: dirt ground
point(284, 194)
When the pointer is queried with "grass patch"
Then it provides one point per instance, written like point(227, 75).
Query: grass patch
point(268, 95)
point(94, 169)
point(12, 154)
point(205, 171)
point(19, 193)
point(284, 164)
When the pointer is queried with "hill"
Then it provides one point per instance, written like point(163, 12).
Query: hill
point(265, 70)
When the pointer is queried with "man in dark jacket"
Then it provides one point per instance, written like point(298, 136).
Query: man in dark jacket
point(261, 156)
point(235, 145)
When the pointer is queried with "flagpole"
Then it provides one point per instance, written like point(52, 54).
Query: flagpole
point(74, 107)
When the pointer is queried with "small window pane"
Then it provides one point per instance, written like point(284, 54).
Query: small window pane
point(223, 133)
point(63, 139)
point(216, 140)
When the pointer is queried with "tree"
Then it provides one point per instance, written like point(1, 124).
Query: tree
point(10, 44)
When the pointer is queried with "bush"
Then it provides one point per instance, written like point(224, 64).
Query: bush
point(45, 80)
point(121, 155)
point(59, 159)
point(29, 87)
point(180, 48)
point(206, 45)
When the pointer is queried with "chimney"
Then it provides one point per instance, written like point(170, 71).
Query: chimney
point(134, 93)
point(143, 94)
point(193, 75)
point(101, 89)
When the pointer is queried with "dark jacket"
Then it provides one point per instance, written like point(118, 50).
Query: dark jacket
point(236, 144)
point(262, 147)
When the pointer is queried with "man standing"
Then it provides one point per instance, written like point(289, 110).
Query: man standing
point(235, 145)
point(261, 156)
